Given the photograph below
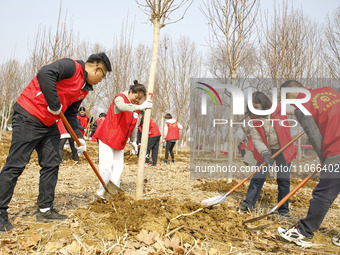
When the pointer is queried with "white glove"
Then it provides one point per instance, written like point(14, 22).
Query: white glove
point(134, 148)
point(146, 105)
point(54, 112)
point(82, 148)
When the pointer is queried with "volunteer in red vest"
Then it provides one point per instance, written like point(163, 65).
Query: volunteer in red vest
point(323, 130)
point(243, 148)
point(83, 120)
point(96, 126)
point(267, 140)
point(153, 139)
point(171, 134)
point(60, 86)
point(64, 136)
point(118, 126)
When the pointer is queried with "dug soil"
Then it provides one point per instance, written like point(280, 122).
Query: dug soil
point(168, 220)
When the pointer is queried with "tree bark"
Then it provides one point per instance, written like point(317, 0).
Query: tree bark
point(147, 115)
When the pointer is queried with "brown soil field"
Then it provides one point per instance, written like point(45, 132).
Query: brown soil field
point(168, 220)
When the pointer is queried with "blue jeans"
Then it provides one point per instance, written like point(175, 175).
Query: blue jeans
point(283, 182)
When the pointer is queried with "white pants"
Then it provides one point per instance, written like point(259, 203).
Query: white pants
point(111, 163)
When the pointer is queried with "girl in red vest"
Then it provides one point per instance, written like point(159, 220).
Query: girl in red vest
point(58, 87)
point(83, 120)
point(243, 148)
point(171, 134)
point(323, 130)
point(267, 140)
point(118, 126)
point(153, 140)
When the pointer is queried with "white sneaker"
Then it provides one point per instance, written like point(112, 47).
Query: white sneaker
point(293, 235)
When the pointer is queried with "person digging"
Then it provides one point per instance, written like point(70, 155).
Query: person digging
point(58, 87)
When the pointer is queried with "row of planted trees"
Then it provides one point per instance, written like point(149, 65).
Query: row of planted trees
point(243, 42)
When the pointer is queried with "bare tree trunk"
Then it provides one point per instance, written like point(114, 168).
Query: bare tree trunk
point(146, 124)
point(231, 129)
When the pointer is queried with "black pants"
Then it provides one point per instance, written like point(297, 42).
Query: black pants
point(283, 183)
point(242, 153)
point(324, 195)
point(28, 135)
point(73, 149)
point(169, 148)
point(153, 145)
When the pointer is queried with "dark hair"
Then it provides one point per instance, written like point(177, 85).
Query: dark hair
point(103, 114)
point(260, 98)
point(100, 58)
point(168, 116)
point(82, 108)
point(291, 83)
point(137, 88)
point(142, 119)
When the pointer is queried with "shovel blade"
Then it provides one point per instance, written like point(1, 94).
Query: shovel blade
point(110, 190)
point(257, 218)
point(214, 200)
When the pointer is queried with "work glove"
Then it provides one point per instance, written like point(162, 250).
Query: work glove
point(266, 157)
point(82, 148)
point(146, 105)
point(134, 148)
point(54, 112)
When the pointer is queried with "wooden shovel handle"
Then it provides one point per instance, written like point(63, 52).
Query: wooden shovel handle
point(263, 164)
point(293, 191)
point(74, 136)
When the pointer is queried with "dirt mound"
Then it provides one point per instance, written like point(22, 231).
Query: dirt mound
point(127, 215)
point(221, 186)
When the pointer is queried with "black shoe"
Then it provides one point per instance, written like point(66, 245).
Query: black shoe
point(50, 215)
point(173, 161)
point(243, 209)
point(5, 225)
point(165, 162)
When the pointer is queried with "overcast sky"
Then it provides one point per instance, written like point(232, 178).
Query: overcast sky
point(100, 21)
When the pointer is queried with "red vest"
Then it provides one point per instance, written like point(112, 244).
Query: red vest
point(283, 134)
point(173, 131)
point(324, 106)
point(100, 122)
point(61, 127)
point(251, 145)
point(69, 91)
point(153, 129)
point(117, 128)
point(243, 146)
point(83, 122)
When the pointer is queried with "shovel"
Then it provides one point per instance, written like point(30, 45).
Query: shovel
point(283, 200)
point(221, 198)
point(110, 188)
point(132, 154)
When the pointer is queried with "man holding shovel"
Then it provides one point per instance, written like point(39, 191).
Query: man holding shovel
point(323, 130)
point(58, 87)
